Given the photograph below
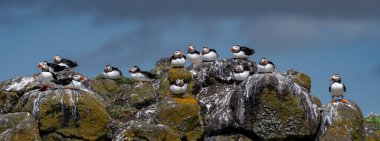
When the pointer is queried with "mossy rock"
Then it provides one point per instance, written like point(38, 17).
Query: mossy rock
point(234, 137)
point(18, 127)
point(72, 114)
point(300, 78)
point(179, 73)
point(7, 101)
point(141, 95)
point(182, 115)
point(148, 132)
point(107, 88)
point(342, 121)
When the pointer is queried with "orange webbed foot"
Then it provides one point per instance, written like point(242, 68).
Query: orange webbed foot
point(343, 100)
point(332, 101)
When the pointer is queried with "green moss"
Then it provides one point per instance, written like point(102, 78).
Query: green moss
point(303, 80)
point(373, 119)
point(179, 73)
point(117, 111)
point(125, 80)
point(284, 107)
point(181, 115)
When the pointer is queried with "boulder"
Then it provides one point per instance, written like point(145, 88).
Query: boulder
point(73, 114)
point(136, 131)
point(341, 122)
point(264, 107)
point(181, 114)
point(18, 127)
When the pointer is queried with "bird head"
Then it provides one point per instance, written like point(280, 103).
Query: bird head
point(335, 78)
point(205, 50)
point(177, 53)
point(179, 82)
point(263, 61)
point(107, 68)
point(134, 69)
point(190, 48)
point(235, 49)
point(78, 77)
point(57, 59)
point(239, 68)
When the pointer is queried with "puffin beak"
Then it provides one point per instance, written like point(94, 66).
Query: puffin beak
point(188, 48)
point(129, 71)
point(232, 49)
point(82, 78)
point(39, 66)
point(331, 79)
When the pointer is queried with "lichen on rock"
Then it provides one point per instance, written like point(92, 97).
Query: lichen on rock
point(19, 126)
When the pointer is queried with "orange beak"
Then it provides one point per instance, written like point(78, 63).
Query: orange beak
point(82, 78)
point(39, 66)
point(331, 79)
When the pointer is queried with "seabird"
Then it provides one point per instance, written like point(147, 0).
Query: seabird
point(177, 59)
point(64, 62)
point(178, 86)
point(112, 72)
point(193, 55)
point(265, 66)
point(241, 72)
point(336, 88)
point(208, 54)
point(241, 52)
point(141, 76)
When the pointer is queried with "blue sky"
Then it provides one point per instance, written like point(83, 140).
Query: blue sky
point(317, 38)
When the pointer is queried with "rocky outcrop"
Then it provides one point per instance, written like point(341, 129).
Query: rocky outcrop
point(341, 122)
point(75, 114)
point(18, 127)
point(272, 106)
point(266, 106)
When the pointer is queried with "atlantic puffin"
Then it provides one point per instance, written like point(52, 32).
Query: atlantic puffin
point(47, 77)
point(72, 82)
point(112, 72)
point(336, 88)
point(265, 66)
point(241, 52)
point(141, 76)
point(208, 54)
point(241, 72)
point(64, 62)
point(52, 67)
point(177, 59)
point(193, 55)
point(178, 86)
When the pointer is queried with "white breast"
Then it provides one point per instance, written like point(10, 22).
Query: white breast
point(337, 89)
point(211, 56)
point(140, 77)
point(112, 75)
point(180, 62)
point(178, 90)
point(46, 77)
point(241, 76)
point(265, 69)
point(194, 58)
point(240, 54)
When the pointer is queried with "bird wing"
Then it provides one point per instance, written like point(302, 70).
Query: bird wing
point(56, 67)
point(214, 51)
point(269, 62)
point(69, 63)
point(344, 87)
point(117, 69)
point(150, 75)
point(330, 88)
point(63, 81)
point(247, 50)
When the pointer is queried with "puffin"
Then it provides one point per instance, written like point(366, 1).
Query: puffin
point(208, 54)
point(72, 82)
point(178, 86)
point(52, 67)
point(47, 77)
point(177, 59)
point(337, 88)
point(265, 66)
point(241, 52)
point(193, 55)
point(112, 72)
point(241, 72)
point(141, 76)
point(64, 62)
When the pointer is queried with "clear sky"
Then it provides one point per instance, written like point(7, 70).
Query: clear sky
point(319, 38)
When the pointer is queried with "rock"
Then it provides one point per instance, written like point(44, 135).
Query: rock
point(267, 106)
point(220, 71)
point(181, 115)
point(18, 126)
point(300, 78)
point(341, 121)
point(234, 137)
point(143, 131)
point(13, 89)
point(141, 94)
point(73, 114)
point(372, 127)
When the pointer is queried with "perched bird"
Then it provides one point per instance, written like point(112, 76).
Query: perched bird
point(336, 88)
point(47, 77)
point(178, 86)
point(177, 59)
point(208, 55)
point(241, 52)
point(52, 67)
point(241, 72)
point(193, 55)
point(265, 66)
point(64, 62)
point(72, 82)
point(141, 76)
point(112, 72)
